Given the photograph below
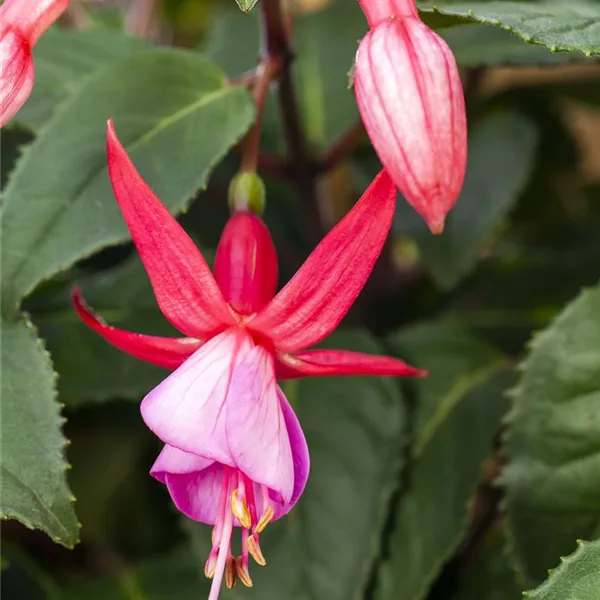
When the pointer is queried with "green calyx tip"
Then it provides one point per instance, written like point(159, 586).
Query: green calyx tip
point(247, 192)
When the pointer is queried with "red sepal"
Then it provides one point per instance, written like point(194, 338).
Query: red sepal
point(322, 291)
point(185, 289)
point(161, 351)
point(315, 363)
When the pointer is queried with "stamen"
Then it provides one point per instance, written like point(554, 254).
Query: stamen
point(221, 507)
point(230, 572)
point(242, 572)
point(249, 489)
point(256, 552)
point(240, 507)
point(266, 518)
point(211, 563)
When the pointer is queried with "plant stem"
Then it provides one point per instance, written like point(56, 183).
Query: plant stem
point(342, 147)
point(275, 43)
point(267, 70)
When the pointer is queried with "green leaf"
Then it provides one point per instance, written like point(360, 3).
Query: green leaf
point(175, 115)
point(556, 24)
point(34, 487)
point(91, 370)
point(501, 152)
point(63, 58)
point(246, 5)
point(171, 577)
point(484, 46)
point(325, 547)
point(576, 578)
point(466, 383)
point(553, 444)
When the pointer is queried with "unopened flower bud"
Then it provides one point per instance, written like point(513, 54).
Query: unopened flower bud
point(247, 193)
point(21, 24)
point(411, 101)
point(246, 263)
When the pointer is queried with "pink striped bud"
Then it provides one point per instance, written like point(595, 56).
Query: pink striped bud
point(246, 263)
point(411, 101)
point(22, 22)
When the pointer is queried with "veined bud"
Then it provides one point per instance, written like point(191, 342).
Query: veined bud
point(247, 193)
point(410, 98)
point(246, 263)
point(22, 22)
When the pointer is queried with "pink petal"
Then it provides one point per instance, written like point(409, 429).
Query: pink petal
point(194, 483)
point(300, 456)
point(165, 352)
point(186, 410)
point(316, 299)
point(185, 289)
point(16, 73)
point(316, 363)
point(256, 428)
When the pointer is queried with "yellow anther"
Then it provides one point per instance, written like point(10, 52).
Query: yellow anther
point(240, 510)
point(211, 564)
point(266, 518)
point(230, 572)
point(242, 572)
point(255, 551)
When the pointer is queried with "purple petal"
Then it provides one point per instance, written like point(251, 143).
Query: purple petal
point(186, 409)
point(300, 455)
point(255, 426)
point(194, 483)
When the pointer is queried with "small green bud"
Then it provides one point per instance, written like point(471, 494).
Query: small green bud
point(247, 192)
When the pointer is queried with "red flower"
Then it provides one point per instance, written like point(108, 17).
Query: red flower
point(235, 454)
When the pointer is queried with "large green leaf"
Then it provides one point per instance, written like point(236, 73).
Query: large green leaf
point(449, 448)
point(63, 58)
point(33, 481)
point(175, 115)
point(557, 24)
point(501, 153)
point(171, 577)
point(485, 46)
point(553, 444)
point(91, 369)
point(325, 547)
point(576, 578)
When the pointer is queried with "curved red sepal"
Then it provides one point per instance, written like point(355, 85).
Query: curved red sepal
point(169, 353)
point(315, 363)
point(185, 288)
point(316, 299)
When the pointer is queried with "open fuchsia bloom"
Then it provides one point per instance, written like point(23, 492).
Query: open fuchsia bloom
point(411, 101)
point(22, 22)
point(235, 455)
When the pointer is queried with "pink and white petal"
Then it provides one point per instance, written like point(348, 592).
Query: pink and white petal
point(185, 288)
point(316, 363)
point(255, 425)
point(300, 455)
point(194, 483)
point(165, 352)
point(322, 291)
point(186, 410)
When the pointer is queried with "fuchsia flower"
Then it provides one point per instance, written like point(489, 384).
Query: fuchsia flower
point(235, 455)
point(410, 98)
point(22, 22)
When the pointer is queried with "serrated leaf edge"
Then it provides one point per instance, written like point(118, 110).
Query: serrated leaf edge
point(41, 346)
